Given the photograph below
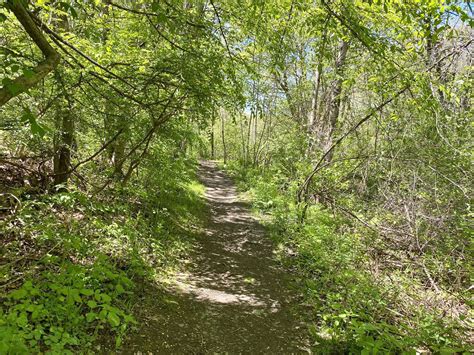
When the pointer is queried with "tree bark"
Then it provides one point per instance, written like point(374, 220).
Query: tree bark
point(64, 138)
point(432, 48)
point(312, 122)
point(224, 148)
point(211, 137)
point(25, 82)
point(335, 99)
point(64, 142)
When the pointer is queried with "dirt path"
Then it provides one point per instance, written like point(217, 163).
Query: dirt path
point(235, 298)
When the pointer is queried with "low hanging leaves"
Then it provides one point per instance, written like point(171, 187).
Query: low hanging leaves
point(29, 118)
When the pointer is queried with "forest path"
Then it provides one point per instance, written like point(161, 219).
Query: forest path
point(234, 298)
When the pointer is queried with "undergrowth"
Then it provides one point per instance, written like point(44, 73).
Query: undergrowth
point(356, 305)
point(73, 263)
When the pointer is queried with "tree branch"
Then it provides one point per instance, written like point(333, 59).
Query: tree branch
point(26, 81)
point(75, 49)
point(304, 187)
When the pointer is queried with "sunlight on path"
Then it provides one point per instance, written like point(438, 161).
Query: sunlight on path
point(234, 297)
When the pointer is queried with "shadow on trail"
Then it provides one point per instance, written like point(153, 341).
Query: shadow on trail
point(234, 297)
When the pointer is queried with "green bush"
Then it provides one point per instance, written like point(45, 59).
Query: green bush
point(65, 307)
point(353, 310)
point(83, 259)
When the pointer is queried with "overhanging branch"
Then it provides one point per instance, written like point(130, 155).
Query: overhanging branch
point(26, 81)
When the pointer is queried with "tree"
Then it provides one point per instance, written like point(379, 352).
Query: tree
point(29, 79)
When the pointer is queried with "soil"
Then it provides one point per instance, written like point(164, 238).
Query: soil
point(234, 298)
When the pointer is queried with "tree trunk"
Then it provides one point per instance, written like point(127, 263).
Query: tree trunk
point(63, 145)
point(432, 60)
point(315, 110)
point(224, 148)
point(119, 152)
point(211, 138)
point(64, 138)
point(24, 82)
point(312, 122)
point(332, 113)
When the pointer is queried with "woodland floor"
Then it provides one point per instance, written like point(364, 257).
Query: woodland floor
point(234, 296)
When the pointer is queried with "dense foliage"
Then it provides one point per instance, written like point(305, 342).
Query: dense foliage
point(74, 264)
point(349, 123)
point(356, 139)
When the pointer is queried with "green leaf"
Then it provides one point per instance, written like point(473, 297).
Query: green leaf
point(118, 341)
point(105, 298)
point(28, 73)
point(77, 298)
point(68, 8)
point(87, 292)
point(12, 88)
point(35, 127)
point(18, 294)
point(91, 316)
point(155, 6)
point(114, 319)
point(103, 314)
point(161, 17)
point(22, 320)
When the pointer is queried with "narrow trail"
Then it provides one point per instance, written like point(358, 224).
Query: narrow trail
point(234, 298)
